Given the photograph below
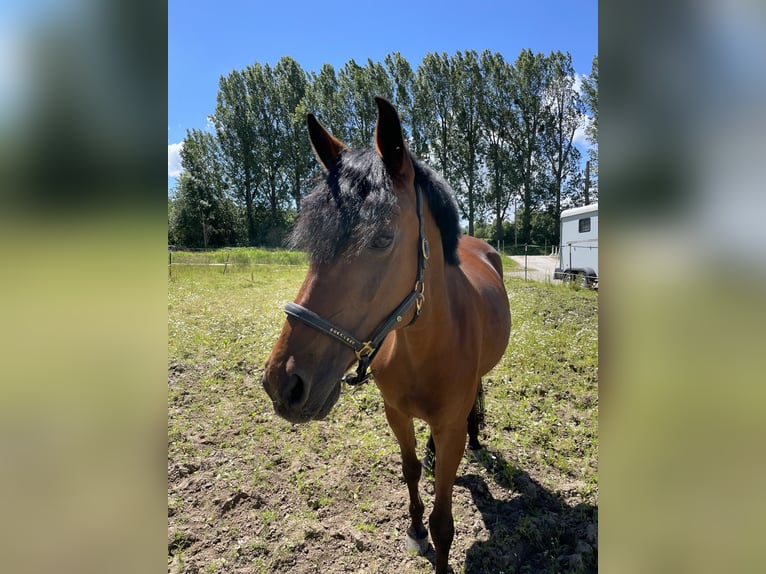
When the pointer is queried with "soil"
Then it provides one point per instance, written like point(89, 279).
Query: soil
point(338, 512)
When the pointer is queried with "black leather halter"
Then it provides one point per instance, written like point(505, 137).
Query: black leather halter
point(366, 350)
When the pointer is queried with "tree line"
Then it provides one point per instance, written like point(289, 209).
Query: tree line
point(500, 133)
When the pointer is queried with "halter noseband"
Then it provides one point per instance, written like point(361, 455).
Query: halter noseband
point(366, 350)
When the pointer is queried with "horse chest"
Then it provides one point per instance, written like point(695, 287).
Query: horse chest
point(427, 391)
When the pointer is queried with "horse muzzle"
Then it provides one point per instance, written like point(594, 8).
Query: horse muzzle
point(295, 396)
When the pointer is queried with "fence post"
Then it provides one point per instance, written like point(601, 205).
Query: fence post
point(170, 263)
point(525, 262)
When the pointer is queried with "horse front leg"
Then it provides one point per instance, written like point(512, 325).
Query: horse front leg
point(450, 444)
point(404, 430)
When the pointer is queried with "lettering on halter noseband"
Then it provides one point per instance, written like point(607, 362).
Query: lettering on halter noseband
point(343, 336)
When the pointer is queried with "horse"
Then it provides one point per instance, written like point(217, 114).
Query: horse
point(387, 259)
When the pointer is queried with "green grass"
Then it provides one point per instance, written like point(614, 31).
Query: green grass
point(542, 426)
point(509, 264)
point(246, 256)
point(548, 399)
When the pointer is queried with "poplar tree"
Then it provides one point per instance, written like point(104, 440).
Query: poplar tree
point(526, 120)
point(466, 136)
point(235, 132)
point(565, 113)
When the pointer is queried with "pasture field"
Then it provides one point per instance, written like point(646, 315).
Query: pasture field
point(251, 493)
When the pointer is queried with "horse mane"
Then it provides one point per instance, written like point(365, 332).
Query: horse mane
point(441, 202)
point(355, 202)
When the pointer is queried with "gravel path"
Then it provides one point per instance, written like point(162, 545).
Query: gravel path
point(539, 267)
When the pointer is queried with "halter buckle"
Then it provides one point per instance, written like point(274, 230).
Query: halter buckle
point(366, 350)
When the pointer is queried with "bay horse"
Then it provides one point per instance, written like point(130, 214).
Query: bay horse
point(386, 257)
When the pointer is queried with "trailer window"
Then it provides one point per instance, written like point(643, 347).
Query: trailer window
point(584, 224)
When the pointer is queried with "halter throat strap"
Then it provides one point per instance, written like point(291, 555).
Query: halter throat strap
point(366, 350)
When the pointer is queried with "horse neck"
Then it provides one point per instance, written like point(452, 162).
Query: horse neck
point(435, 284)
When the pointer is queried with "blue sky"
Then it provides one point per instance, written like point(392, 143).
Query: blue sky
point(209, 39)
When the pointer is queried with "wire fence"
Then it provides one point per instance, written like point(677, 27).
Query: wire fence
point(226, 258)
point(542, 268)
point(243, 257)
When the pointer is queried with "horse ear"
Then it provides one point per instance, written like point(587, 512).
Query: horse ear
point(326, 147)
point(389, 141)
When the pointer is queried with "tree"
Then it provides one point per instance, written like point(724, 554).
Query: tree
point(528, 82)
point(403, 79)
point(291, 84)
point(235, 131)
point(268, 151)
point(590, 97)
point(494, 111)
point(171, 217)
point(564, 114)
point(322, 100)
point(358, 87)
point(202, 215)
point(432, 114)
point(467, 142)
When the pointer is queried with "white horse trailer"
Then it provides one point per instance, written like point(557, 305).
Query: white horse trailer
point(578, 250)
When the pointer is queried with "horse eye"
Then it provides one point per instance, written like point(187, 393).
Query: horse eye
point(381, 241)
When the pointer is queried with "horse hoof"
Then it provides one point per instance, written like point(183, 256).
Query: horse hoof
point(417, 546)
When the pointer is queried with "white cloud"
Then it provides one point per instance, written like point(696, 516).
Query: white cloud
point(580, 138)
point(174, 159)
point(578, 81)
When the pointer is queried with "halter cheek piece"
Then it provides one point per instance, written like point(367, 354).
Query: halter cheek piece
point(366, 350)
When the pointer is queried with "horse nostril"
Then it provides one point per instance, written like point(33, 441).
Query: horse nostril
point(296, 391)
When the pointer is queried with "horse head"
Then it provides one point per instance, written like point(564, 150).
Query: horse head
point(362, 228)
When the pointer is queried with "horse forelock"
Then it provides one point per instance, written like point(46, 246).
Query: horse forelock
point(356, 201)
point(345, 211)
